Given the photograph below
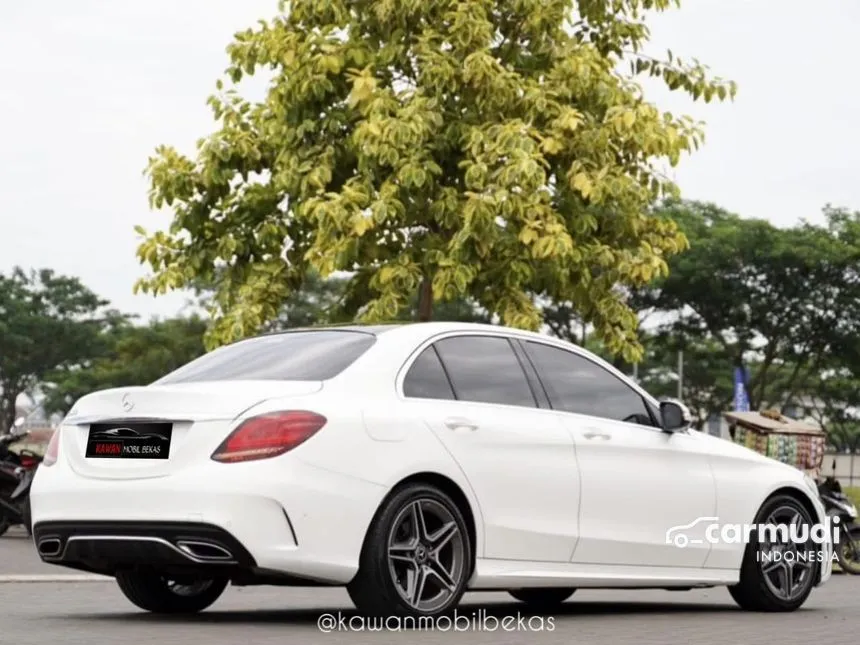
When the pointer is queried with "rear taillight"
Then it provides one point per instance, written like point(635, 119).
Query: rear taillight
point(268, 435)
point(52, 453)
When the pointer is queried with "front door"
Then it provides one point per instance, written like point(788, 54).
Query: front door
point(638, 482)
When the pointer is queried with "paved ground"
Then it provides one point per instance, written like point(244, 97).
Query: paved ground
point(96, 612)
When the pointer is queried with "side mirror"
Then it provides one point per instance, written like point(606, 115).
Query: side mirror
point(675, 415)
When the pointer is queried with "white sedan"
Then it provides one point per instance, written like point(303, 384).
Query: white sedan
point(411, 463)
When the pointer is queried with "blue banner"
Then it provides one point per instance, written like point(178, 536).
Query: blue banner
point(742, 403)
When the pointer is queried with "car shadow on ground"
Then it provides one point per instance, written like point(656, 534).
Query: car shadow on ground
point(473, 612)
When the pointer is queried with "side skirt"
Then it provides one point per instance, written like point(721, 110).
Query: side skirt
point(514, 574)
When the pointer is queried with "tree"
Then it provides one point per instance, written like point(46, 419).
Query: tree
point(777, 300)
point(707, 380)
point(47, 321)
point(130, 355)
point(835, 396)
point(327, 301)
point(488, 150)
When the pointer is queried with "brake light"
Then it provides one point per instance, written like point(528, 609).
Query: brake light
point(52, 453)
point(268, 435)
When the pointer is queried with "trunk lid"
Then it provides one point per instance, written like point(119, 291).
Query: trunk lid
point(200, 414)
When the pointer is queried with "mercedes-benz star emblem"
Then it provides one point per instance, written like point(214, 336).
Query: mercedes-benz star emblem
point(127, 403)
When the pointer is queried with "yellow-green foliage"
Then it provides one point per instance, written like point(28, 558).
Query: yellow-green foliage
point(501, 149)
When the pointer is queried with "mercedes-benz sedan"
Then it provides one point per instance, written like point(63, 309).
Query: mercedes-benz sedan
point(411, 463)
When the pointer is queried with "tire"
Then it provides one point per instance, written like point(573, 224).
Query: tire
point(756, 590)
point(152, 592)
point(443, 560)
point(4, 525)
point(543, 598)
point(847, 564)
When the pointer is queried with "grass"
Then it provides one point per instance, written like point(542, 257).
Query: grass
point(854, 494)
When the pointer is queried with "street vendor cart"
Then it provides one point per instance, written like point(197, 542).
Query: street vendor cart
point(790, 441)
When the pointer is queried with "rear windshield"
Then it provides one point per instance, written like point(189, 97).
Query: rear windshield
point(293, 356)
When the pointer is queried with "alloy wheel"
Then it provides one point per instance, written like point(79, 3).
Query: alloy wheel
point(188, 589)
point(788, 557)
point(426, 555)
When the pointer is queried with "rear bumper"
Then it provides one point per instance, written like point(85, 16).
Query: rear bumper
point(276, 516)
point(103, 547)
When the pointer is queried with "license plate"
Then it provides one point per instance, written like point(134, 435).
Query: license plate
point(129, 441)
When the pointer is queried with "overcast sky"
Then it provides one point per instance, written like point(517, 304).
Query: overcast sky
point(91, 87)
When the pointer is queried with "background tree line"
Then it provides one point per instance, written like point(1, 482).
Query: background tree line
point(782, 302)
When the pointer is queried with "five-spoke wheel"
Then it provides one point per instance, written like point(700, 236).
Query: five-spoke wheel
point(781, 562)
point(417, 556)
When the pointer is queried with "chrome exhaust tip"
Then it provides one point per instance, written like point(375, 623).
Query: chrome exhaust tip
point(204, 550)
point(50, 547)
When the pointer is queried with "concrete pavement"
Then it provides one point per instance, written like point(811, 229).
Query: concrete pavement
point(76, 612)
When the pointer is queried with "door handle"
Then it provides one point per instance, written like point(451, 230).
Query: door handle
point(597, 435)
point(459, 423)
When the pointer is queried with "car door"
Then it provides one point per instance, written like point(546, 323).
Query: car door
point(638, 482)
point(474, 393)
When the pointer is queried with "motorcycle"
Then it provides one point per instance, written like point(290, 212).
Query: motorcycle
point(16, 475)
point(846, 543)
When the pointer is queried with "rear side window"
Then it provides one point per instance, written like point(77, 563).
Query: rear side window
point(293, 356)
point(484, 369)
point(426, 379)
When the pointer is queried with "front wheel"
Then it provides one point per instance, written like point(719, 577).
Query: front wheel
point(848, 551)
point(779, 570)
point(158, 594)
point(542, 598)
point(417, 556)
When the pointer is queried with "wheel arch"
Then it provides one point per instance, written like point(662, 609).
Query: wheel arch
point(800, 495)
point(450, 488)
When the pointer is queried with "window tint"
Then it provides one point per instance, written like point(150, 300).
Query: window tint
point(486, 370)
point(575, 384)
point(426, 379)
point(293, 356)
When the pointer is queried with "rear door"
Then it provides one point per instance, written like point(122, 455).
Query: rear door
point(474, 393)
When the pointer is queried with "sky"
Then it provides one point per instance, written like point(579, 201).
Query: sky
point(91, 87)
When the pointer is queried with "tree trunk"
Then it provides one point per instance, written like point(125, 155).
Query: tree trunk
point(425, 300)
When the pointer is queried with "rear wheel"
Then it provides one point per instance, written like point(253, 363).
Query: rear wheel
point(417, 556)
point(161, 595)
point(543, 598)
point(778, 572)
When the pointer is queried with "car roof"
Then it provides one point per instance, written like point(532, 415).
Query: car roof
point(412, 327)
point(366, 329)
point(416, 332)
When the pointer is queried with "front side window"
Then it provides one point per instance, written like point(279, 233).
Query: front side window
point(485, 369)
point(575, 384)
